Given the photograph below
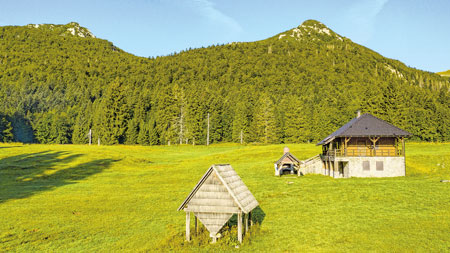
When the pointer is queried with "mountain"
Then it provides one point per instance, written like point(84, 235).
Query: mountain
point(59, 81)
point(444, 73)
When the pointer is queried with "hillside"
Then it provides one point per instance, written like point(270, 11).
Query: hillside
point(57, 81)
point(444, 73)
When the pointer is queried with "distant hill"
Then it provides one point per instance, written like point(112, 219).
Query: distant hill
point(59, 81)
point(444, 73)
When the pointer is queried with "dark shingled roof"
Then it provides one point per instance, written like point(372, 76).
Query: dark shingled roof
point(364, 126)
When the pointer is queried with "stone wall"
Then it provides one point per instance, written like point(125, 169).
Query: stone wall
point(392, 166)
point(311, 166)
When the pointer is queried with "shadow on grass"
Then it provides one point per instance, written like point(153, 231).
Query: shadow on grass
point(257, 217)
point(24, 175)
point(11, 147)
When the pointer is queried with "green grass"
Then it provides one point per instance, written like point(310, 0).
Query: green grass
point(124, 198)
point(444, 73)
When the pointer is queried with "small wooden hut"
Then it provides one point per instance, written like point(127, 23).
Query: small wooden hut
point(287, 162)
point(218, 195)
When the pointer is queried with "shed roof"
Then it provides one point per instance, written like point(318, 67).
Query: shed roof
point(289, 155)
point(364, 126)
point(235, 187)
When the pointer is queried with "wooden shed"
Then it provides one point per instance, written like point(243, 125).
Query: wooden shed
point(218, 195)
point(287, 162)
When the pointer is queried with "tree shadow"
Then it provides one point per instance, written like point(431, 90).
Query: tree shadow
point(24, 175)
point(11, 147)
point(257, 217)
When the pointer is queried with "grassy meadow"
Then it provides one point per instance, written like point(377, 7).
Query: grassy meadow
point(76, 198)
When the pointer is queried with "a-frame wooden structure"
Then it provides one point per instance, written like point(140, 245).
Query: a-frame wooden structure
point(218, 195)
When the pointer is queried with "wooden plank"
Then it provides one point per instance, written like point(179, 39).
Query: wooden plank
point(213, 209)
point(228, 202)
point(212, 188)
point(188, 226)
point(239, 220)
point(246, 223)
point(196, 224)
point(212, 195)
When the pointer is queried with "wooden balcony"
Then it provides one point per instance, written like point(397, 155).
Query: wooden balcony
point(363, 152)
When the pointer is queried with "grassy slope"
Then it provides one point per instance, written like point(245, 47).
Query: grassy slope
point(72, 198)
point(444, 73)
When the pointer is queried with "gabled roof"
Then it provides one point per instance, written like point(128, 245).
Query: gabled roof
point(287, 154)
point(364, 126)
point(239, 192)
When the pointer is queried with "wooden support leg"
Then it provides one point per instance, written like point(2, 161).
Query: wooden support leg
point(214, 239)
point(196, 224)
point(188, 226)
point(239, 220)
point(246, 223)
point(250, 217)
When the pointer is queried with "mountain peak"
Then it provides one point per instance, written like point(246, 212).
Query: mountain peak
point(69, 29)
point(311, 29)
point(313, 23)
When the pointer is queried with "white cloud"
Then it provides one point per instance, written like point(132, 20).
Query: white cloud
point(208, 10)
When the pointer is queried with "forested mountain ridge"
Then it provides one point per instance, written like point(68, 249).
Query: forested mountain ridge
point(297, 86)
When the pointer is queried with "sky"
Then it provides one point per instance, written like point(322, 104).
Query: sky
point(416, 32)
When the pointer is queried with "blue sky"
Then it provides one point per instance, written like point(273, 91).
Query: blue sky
point(415, 32)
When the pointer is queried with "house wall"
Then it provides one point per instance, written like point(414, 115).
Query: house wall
point(392, 166)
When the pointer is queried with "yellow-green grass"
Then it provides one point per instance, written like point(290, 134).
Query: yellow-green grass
point(124, 198)
point(444, 73)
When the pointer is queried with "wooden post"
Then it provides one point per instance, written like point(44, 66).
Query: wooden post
point(374, 141)
point(214, 239)
point(207, 133)
point(90, 137)
point(403, 146)
point(250, 217)
point(99, 141)
point(246, 223)
point(239, 220)
point(196, 224)
point(241, 136)
point(347, 139)
point(188, 226)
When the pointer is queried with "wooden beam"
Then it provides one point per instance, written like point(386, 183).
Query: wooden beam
point(374, 141)
point(196, 224)
point(250, 217)
point(403, 146)
point(188, 226)
point(246, 223)
point(347, 139)
point(239, 221)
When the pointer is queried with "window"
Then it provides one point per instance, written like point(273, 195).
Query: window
point(366, 165)
point(380, 166)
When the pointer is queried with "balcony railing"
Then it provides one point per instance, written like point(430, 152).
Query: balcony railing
point(363, 152)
